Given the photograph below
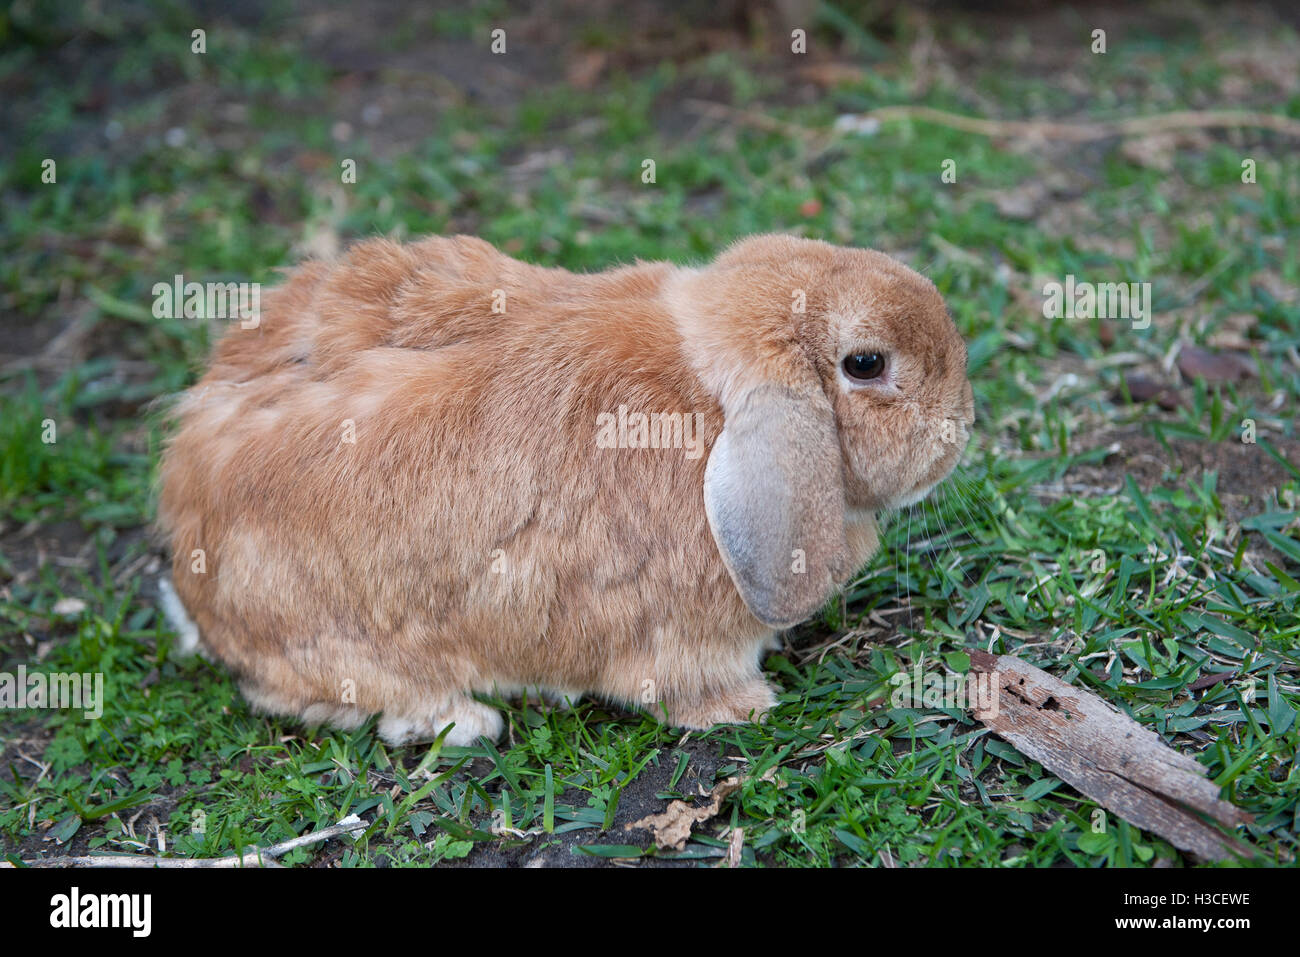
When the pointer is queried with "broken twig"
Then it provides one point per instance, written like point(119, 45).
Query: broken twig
point(1108, 757)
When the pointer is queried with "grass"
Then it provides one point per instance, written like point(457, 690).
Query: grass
point(1131, 582)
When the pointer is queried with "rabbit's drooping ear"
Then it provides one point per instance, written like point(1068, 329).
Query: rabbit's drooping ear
point(774, 496)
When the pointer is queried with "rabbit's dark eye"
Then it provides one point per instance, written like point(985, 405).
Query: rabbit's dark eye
point(864, 366)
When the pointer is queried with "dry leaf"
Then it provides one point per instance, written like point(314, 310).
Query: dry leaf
point(832, 74)
point(1214, 367)
point(1021, 202)
point(1234, 333)
point(1143, 389)
point(1157, 150)
point(1106, 332)
point(734, 847)
point(585, 69)
point(672, 828)
point(1154, 152)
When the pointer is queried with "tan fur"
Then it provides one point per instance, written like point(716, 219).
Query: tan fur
point(474, 537)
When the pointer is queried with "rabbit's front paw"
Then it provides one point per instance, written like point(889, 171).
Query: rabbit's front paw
point(471, 719)
point(742, 704)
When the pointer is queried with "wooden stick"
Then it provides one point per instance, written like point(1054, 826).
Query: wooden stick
point(1107, 756)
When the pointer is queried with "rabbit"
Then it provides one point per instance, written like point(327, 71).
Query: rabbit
point(431, 471)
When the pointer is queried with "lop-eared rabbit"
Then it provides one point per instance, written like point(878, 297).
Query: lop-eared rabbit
point(431, 471)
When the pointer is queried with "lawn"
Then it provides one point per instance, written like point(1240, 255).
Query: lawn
point(1126, 517)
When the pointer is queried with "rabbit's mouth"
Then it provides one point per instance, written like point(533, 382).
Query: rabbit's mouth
point(942, 467)
point(912, 497)
point(859, 494)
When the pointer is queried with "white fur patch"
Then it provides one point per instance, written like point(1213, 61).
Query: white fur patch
point(178, 618)
point(471, 719)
